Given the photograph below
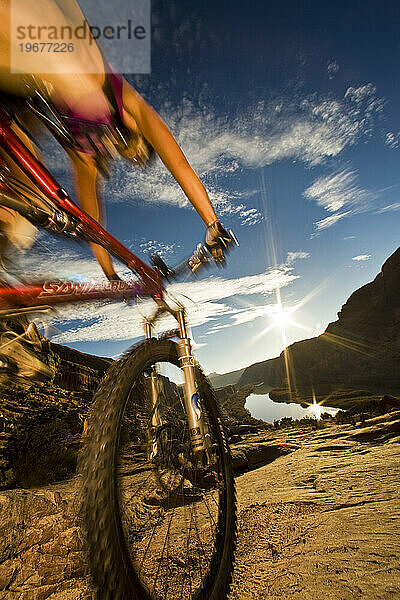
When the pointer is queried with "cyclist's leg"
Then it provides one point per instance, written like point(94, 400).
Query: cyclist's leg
point(21, 346)
point(34, 128)
point(88, 188)
point(16, 233)
point(22, 354)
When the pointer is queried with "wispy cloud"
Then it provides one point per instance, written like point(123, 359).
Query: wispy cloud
point(363, 94)
point(164, 250)
point(212, 300)
point(244, 315)
point(389, 208)
point(329, 221)
point(309, 129)
point(68, 264)
point(361, 257)
point(332, 69)
point(234, 204)
point(293, 256)
point(392, 139)
point(339, 191)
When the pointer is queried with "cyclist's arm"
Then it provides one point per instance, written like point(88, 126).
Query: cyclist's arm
point(159, 136)
point(86, 179)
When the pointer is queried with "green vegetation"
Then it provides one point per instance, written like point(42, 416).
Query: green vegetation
point(304, 422)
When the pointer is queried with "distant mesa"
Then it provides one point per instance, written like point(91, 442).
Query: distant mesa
point(230, 378)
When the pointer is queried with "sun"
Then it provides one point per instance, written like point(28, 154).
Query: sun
point(281, 317)
point(316, 409)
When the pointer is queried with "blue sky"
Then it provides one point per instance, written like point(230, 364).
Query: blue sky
point(290, 115)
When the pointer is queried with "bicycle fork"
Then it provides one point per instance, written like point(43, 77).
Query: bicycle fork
point(154, 393)
point(199, 434)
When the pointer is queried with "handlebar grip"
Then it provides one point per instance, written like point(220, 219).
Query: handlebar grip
point(200, 256)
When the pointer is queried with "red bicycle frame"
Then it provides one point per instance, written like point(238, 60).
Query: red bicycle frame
point(47, 293)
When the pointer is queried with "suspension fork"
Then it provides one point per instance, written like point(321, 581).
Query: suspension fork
point(197, 426)
point(154, 388)
point(156, 419)
point(199, 433)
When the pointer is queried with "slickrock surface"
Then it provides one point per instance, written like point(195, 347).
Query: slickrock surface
point(40, 545)
point(319, 521)
point(323, 522)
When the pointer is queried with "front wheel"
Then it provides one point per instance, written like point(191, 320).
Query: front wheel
point(159, 522)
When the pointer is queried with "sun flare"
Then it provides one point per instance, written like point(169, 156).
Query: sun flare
point(281, 317)
point(316, 409)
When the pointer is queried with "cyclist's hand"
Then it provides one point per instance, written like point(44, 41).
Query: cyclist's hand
point(218, 241)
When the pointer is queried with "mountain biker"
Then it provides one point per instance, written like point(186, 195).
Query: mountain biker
point(142, 129)
point(105, 115)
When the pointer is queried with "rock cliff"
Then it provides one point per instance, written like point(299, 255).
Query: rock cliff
point(359, 351)
point(76, 370)
point(41, 423)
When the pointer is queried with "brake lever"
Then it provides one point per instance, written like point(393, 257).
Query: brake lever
point(164, 269)
point(201, 256)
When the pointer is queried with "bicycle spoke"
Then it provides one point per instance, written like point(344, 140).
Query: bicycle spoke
point(188, 544)
point(169, 568)
point(162, 553)
point(148, 545)
point(170, 498)
point(209, 512)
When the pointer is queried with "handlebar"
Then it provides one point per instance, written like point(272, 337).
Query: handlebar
point(200, 257)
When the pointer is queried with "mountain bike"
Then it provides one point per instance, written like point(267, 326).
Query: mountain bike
point(157, 492)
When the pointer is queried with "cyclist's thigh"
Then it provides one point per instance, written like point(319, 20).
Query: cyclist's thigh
point(79, 72)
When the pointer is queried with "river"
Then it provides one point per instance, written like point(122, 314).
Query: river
point(262, 407)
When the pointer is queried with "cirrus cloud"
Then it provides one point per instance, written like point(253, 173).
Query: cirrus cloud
point(340, 194)
point(309, 129)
